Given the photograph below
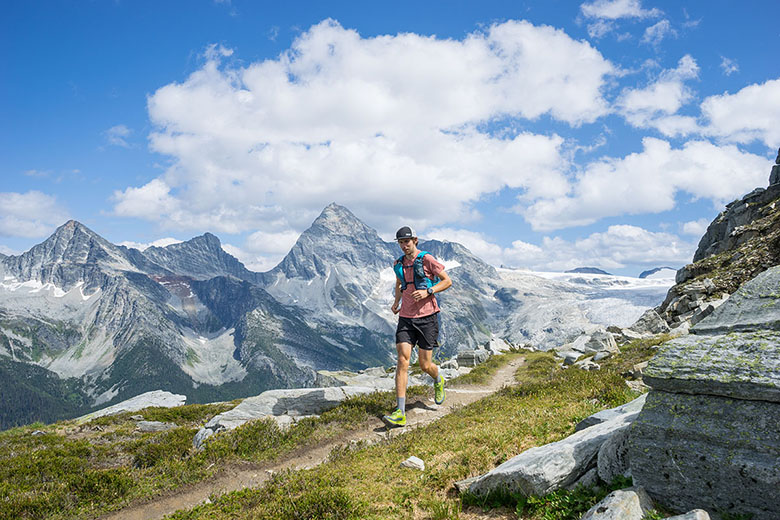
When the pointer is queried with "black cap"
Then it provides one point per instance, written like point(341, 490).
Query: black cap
point(405, 232)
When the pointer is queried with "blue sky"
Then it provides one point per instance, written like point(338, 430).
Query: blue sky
point(546, 135)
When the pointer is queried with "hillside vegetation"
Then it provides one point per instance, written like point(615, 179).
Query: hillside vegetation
point(71, 470)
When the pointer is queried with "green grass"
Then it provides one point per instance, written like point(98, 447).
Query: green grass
point(84, 470)
point(482, 373)
point(79, 470)
point(367, 481)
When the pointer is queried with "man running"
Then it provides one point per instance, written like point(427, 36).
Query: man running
point(418, 322)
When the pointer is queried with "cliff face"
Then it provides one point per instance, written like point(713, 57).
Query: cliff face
point(709, 432)
point(743, 241)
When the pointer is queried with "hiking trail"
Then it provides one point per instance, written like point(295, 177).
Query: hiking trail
point(235, 476)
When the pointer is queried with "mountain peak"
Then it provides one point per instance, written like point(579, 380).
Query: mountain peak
point(206, 239)
point(72, 227)
point(340, 220)
point(201, 257)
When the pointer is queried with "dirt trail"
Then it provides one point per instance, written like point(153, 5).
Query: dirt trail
point(420, 412)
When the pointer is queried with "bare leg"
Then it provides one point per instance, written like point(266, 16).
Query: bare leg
point(402, 367)
point(426, 363)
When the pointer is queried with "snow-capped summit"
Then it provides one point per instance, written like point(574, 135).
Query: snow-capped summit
point(72, 254)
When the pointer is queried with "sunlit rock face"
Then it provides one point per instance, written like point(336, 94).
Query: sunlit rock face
point(709, 433)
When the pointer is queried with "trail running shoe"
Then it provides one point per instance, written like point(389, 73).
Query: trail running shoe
point(397, 418)
point(438, 389)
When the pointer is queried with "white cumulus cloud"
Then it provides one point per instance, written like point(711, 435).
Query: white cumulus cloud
point(605, 14)
point(752, 114)
point(118, 134)
point(142, 246)
point(31, 214)
point(373, 123)
point(649, 182)
point(728, 65)
point(656, 105)
point(616, 248)
point(695, 228)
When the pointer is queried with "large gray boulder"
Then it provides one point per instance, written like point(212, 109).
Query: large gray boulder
point(156, 398)
point(283, 406)
point(541, 470)
point(472, 358)
point(741, 365)
point(613, 459)
point(708, 451)
point(606, 415)
point(709, 433)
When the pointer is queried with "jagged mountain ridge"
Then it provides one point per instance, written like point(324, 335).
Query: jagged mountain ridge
point(200, 258)
point(190, 318)
point(77, 305)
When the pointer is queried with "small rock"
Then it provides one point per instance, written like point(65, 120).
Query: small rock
point(569, 358)
point(450, 364)
point(639, 369)
point(413, 463)
point(623, 504)
point(604, 354)
point(136, 417)
point(637, 386)
point(587, 364)
point(201, 436)
point(154, 426)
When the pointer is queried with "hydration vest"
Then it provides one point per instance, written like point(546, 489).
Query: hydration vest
point(421, 281)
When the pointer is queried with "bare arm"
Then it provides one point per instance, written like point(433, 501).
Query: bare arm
point(395, 308)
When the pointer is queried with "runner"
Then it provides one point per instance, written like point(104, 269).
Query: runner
point(416, 284)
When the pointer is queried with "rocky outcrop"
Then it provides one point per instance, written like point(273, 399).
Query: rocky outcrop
point(774, 176)
point(742, 241)
point(649, 324)
point(283, 406)
point(709, 433)
point(599, 342)
point(544, 469)
point(155, 398)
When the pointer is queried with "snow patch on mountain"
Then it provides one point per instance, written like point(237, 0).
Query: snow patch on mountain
point(91, 356)
point(210, 359)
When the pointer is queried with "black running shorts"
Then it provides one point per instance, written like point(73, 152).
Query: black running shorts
point(423, 332)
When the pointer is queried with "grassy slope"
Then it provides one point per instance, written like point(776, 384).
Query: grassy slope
point(80, 471)
point(367, 482)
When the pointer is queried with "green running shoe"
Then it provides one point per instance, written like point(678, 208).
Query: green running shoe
point(438, 389)
point(397, 418)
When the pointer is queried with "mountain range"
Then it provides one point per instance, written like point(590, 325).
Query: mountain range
point(86, 323)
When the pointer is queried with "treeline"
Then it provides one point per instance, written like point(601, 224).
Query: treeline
point(29, 393)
